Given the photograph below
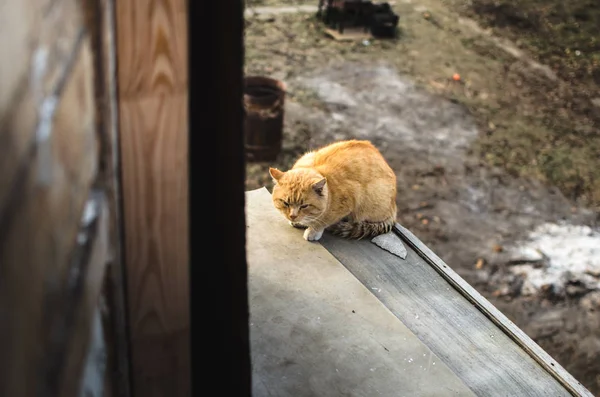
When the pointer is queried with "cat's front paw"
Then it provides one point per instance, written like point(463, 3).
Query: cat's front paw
point(297, 225)
point(311, 234)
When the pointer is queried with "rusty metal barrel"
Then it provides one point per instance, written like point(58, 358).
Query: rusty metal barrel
point(263, 121)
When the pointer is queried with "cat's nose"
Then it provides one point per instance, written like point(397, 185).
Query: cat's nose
point(293, 216)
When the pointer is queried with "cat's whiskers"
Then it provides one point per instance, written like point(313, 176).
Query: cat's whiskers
point(315, 221)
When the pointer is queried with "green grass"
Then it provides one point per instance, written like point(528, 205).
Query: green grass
point(564, 35)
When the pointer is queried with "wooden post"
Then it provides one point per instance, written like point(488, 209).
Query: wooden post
point(152, 80)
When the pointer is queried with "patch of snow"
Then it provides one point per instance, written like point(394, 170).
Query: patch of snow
point(569, 252)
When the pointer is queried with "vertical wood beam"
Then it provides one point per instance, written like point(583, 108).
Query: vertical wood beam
point(152, 95)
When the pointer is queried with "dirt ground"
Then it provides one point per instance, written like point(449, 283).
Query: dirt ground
point(471, 156)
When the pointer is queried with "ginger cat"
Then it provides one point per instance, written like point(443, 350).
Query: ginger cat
point(346, 187)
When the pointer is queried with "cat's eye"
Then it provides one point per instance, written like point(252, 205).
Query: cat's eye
point(285, 203)
point(304, 206)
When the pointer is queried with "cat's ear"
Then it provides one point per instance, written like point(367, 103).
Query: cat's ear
point(275, 174)
point(318, 186)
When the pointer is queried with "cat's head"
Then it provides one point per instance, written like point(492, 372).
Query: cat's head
point(299, 194)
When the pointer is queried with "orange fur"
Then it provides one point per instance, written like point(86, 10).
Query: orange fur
point(346, 187)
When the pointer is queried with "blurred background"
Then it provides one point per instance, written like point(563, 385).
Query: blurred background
point(488, 111)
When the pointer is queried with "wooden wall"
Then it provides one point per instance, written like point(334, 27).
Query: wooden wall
point(53, 212)
point(153, 120)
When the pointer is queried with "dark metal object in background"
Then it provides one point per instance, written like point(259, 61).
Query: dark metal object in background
point(378, 18)
point(264, 99)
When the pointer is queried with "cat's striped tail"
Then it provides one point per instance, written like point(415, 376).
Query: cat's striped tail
point(359, 230)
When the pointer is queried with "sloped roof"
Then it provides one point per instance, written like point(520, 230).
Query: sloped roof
point(342, 317)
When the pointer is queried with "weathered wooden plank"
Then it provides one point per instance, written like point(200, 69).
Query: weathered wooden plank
point(155, 198)
point(152, 41)
point(480, 353)
point(32, 65)
point(47, 163)
point(88, 265)
point(94, 379)
point(43, 191)
point(17, 21)
point(100, 20)
point(495, 315)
